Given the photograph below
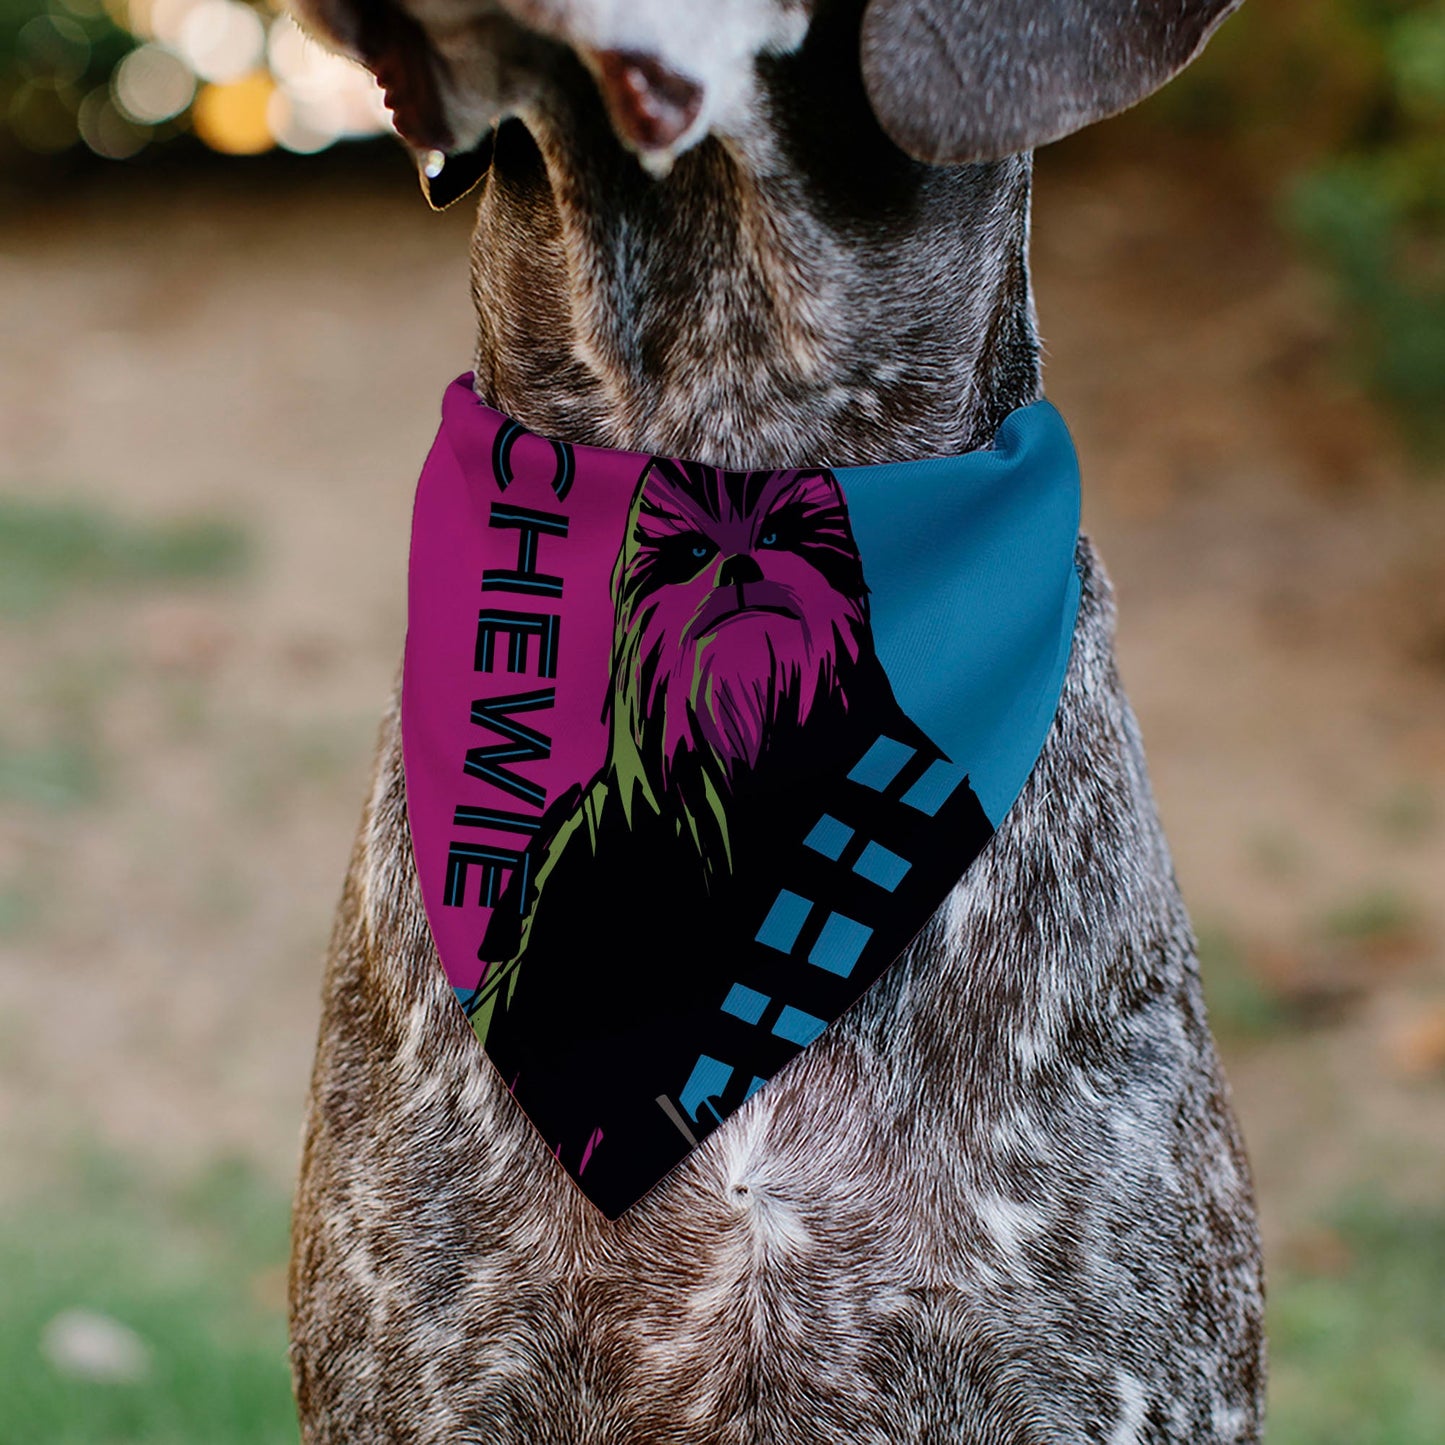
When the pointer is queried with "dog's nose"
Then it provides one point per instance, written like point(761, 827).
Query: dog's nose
point(650, 105)
point(739, 571)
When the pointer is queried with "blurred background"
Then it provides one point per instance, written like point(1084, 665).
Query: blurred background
point(227, 321)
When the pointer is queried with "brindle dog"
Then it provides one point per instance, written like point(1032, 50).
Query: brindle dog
point(1002, 1199)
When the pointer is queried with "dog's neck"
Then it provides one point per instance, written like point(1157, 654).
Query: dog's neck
point(802, 295)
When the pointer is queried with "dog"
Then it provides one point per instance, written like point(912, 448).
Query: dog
point(1003, 1198)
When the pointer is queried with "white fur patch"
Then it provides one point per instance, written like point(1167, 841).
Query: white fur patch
point(1008, 1224)
point(1132, 1404)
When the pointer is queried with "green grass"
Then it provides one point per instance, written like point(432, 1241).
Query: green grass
point(1379, 913)
point(1358, 1355)
point(51, 549)
point(193, 1274)
point(1278, 853)
point(1241, 1006)
point(1408, 814)
point(57, 776)
point(17, 909)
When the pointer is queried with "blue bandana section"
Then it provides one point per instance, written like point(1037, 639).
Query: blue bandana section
point(974, 592)
point(692, 755)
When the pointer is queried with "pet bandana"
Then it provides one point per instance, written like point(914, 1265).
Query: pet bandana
point(692, 755)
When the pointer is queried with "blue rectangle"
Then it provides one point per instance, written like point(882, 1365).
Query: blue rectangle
point(798, 1027)
point(745, 1003)
point(785, 921)
point(839, 945)
point(829, 837)
point(935, 787)
point(881, 763)
point(882, 866)
point(707, 1081)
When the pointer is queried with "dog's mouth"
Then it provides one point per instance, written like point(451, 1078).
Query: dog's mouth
point(395, 47)
point(393, 44)
point(446, 178)
point(651, 107)
point(655, 109)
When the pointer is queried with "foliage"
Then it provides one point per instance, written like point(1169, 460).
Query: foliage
point(1357, 1333)
point(1340, 105)
point(52, 57)
point(49, 549)
point(1241, 1006)
point(194, 1276)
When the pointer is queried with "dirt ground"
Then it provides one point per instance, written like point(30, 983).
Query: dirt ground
point(181, 766)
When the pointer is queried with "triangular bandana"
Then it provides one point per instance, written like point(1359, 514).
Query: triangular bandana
point(693, 755)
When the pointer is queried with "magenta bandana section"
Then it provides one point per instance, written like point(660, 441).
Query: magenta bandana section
point(692, 754)
point(500, 715)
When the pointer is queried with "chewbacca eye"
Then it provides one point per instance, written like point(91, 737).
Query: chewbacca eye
point(691, 546)
point(789, 529)
point(677, 558)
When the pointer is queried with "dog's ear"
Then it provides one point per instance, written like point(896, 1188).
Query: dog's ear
point(974, 80)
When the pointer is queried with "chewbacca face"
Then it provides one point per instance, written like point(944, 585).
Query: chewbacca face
point(740, 609)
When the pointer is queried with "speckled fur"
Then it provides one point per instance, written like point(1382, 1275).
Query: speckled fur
point(1003, 1198)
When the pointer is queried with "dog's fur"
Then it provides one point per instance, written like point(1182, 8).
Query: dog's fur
point(1002, 1199)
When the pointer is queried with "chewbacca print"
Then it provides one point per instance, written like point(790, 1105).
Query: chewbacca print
point(644, 971)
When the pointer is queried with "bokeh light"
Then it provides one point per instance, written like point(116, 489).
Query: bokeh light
point(56, 45)
point(117, 76)
point(221, 40)
point(42, 114)
point(320, 97)
point(152, 84)
point(106, 130)
point(232, 117)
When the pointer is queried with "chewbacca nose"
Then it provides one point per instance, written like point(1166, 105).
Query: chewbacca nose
point(737, 571)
